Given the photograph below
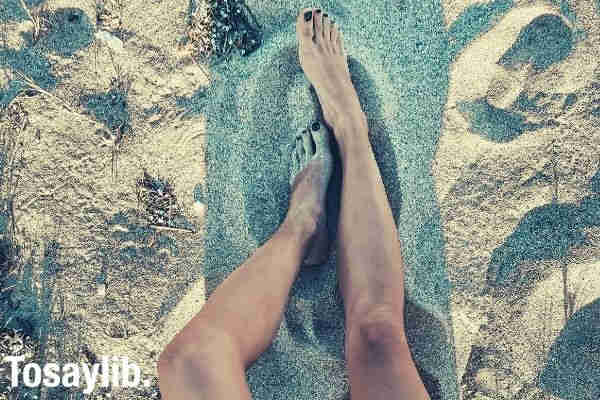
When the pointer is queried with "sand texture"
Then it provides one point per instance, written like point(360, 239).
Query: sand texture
point(484, 117)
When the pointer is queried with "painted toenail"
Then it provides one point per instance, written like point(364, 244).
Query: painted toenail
point(307, 16)
point(325, 15)
point(316, 126)
point(318, 11)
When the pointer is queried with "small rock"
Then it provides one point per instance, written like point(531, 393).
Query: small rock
point(199, 209)
point(154, 118)
point(17, 33)
point(486, 379)
point(480, 396)
point(490, 380)
point(115, 329)
point(26, 27)
point(506, 86)
point(5, 76)
point(110, 40)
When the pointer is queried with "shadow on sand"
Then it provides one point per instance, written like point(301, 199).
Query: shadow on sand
point(572, 369)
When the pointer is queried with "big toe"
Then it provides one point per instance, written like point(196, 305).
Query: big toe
point(302, 152)
point(304, 23)
point(320, 136)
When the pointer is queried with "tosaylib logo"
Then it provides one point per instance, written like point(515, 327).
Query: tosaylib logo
point(118, 373)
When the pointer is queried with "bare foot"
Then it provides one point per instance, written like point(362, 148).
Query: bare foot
point(312, 165)
point(323, 59)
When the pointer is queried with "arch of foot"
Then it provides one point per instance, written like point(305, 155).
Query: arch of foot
point(515, 174)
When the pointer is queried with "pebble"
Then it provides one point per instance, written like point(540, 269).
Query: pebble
point(26, 27)
point(154, 118)
point(486, 379)
point(17, 32)
point(5, 76)
point(199, 209)
point(110, 40)
point(497, 381)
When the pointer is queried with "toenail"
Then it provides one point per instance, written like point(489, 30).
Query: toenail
point(316, 126)
point(325, 15)
point(307, 16)
point(318, 11)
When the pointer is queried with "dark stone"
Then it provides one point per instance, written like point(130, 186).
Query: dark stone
point(569, 101)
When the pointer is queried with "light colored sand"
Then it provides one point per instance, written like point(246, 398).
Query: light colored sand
point(67, 191)
point(485, 188)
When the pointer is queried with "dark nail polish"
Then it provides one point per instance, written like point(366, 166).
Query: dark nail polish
point(307, 16)
point(318, 11)
point(325, 15)
point(316, 126)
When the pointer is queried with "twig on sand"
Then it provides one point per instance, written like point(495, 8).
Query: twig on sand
point(201, 69)
point(36, 21)
point(4, 33)
point(32, 84)
point(168, 228)
point(7, 288)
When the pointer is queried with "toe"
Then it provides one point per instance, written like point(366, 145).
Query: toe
point(326, 28)
point(318, 22)
point(304, 23)
point(309, 146)
point(334, 35)
point(340, 42)
point(295, 161)
point(300, 153)
point(321, 138)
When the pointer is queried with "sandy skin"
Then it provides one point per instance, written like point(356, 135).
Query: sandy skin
point(312, 165)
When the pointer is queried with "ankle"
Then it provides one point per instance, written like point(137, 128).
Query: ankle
point(352, 132)
point(349, 114)
point(303, 226)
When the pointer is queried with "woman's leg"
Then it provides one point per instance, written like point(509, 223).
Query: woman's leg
point(370, 267)
point(208, 357)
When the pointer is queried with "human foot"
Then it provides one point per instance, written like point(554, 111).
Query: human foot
point(323, 60)
point(312, 165)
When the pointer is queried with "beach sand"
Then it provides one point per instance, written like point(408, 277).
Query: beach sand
point(491, 168)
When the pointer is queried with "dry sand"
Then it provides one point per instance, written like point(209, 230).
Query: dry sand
point(124, 288)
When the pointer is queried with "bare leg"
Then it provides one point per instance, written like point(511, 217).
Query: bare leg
point(208, 357)
point(370, 269)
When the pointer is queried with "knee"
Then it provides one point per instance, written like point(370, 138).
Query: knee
point(183, 368)
point(198, 352)
point(180, 355)
point(382, 326)
point(168, 360)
